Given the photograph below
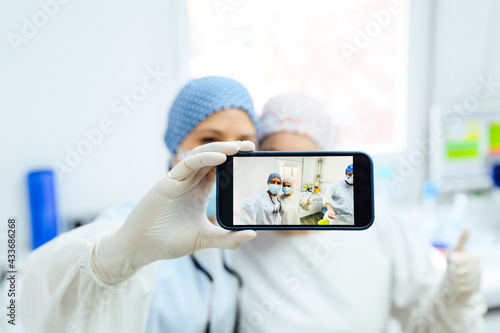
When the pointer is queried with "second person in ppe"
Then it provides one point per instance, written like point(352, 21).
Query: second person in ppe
point(292, 203)
point(349, 281)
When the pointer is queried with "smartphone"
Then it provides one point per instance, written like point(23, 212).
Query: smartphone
point(296, 191)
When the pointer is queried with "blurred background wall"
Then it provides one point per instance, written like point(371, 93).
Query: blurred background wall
point(86, 86)
point(86, 93)
point(85, 89)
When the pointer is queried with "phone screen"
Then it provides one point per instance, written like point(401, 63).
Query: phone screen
point(296, 191)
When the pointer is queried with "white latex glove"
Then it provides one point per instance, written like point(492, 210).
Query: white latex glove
point(170, 220)
point(464, 270)
point(307, 205)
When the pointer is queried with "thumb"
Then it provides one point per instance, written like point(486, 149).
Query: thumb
point(225, 239)
point(462, 240)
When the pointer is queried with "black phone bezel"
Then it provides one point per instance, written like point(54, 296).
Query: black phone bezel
point(363, 191)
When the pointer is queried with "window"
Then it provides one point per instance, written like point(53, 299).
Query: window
point(291, 168)
point(292, 172)
point(350, 55)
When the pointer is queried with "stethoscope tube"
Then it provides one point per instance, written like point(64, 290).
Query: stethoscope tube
point(212, 291)
point(274, 204)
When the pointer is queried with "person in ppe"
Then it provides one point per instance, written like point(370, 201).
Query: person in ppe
point(292, 203)
point(350, 281)
point(263, 208)
point(153, 266)
point(339, 200)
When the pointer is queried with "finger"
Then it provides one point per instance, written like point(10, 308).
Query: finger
point(469, 283)
point(465, 262)
point(228, 148)
point(246, 146)
point(462, 240)
point(224, 239)
point(192, 164)
point(469, 275)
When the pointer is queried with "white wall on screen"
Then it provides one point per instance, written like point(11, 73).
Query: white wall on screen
point(253, 176)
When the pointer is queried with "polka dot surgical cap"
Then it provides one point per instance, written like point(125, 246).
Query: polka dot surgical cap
point(299, 114)
point(198, 100)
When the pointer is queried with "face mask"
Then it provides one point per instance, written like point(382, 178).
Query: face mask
point(212, 202)
point(287, 190)
point(349, 179)
point(180, 155)
point(274, 189)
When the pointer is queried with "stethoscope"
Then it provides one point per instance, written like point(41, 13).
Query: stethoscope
point(275, 210)
point(212, 291)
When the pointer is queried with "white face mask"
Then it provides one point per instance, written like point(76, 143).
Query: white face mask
point(349, 179)
point(180, 155)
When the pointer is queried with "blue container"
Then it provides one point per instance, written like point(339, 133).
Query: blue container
point(44, 223)
point(496, 175)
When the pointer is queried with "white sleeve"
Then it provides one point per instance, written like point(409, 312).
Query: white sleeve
point(248, 210)
point(60, 292)
point(327, 198)
point(419, 301)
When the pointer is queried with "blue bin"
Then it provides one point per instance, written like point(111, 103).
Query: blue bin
point(496, 175)
point(44, 217)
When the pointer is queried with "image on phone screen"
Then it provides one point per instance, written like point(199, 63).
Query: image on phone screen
point(292, 190)
point(293, 194)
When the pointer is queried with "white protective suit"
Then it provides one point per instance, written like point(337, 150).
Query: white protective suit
point(63, 289)
point(61, 292)
point(260, 208)
point(341, 197)
point(291, 205)
point(348, 281)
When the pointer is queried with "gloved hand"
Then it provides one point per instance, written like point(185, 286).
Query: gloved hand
point(463, 274)
point(307, 205)
point(170, 220)
point(331, 213)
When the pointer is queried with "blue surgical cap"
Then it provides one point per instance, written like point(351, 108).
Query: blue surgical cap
point(198, 100)
point(271, 176)
point(349, 168)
